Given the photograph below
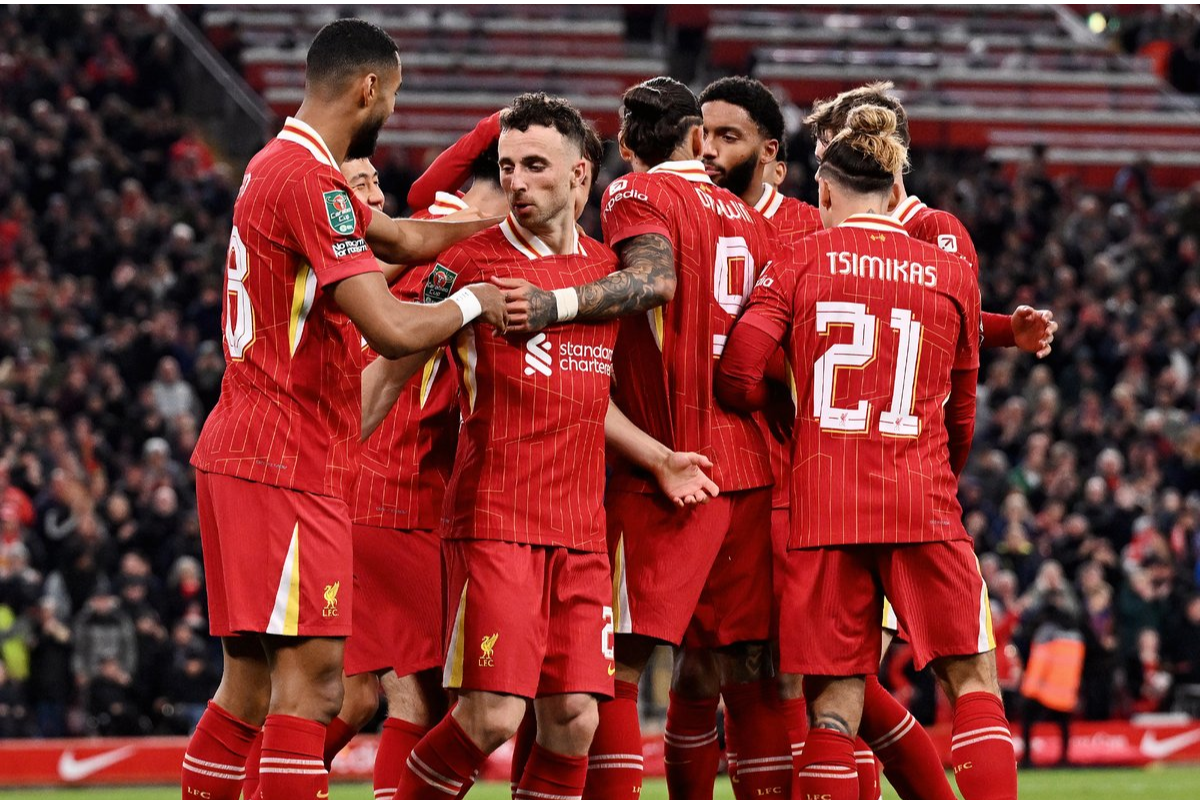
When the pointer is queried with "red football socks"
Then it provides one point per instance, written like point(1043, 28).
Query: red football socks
point(615, 759)
point(250, 785)
point(981, 749)
point(795, 717)
point(868, 772)
point(291, 765)
point(910, 763)
point(760, 761)
point(522, 747)
point(552, 775)
point(442, 765)
point(827, 769)
point(337, 735)
point(214, 764)
point(691, 751)
point(396, 742)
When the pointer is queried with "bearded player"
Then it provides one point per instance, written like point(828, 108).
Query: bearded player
point(704, 573)
point(881, 333)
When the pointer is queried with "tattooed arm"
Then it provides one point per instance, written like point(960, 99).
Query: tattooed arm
point(647, 280)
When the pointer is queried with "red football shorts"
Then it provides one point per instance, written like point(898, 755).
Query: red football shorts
point(703, 571)
point(276, 560)
point(527, 620)
point(781, 529)
point(833, 602)
point(398, 591)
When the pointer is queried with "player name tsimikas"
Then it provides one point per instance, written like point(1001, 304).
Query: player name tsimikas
point(884, 269)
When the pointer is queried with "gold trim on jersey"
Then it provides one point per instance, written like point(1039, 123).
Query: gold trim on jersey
point(304, 135)
point(452, 676)
point(655, 315)
point(428, 375)
point(530, 245)
point(304, 292)
point(468, 357)
point(285, 615)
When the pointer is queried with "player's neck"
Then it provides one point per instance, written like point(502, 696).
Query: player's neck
point(859, 204)
point(755, 191)
point(486, 198)
point(558, 233)
point(330, 125)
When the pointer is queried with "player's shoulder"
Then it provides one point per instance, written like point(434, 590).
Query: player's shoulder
point(633, 186)
point(799, 214)
point(488, 243)
point(597, 252)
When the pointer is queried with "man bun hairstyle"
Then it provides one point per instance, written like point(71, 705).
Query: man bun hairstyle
point(829, 117)
point(347, 48)
point(656, 116)
point(753, 96)
point(866, 155)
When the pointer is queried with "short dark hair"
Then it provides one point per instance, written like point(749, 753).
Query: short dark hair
point(486, 166)
point(539, 108)
point(347, 48)
point(593, 149)
point(656, 116)
point(754, 97)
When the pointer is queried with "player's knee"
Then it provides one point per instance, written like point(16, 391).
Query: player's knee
point(744, 662)
point(959, 675)
point(489, 720)
point(696, 675)
point(360, 702)
point(791, 686)
point(570, 721)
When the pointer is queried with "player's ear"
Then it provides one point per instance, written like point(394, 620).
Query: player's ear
point(696, 139)
point(895, 197)
point(626, 153)
point(368, 89)
point(578, 172)
point(824, 199)
point(769, 151)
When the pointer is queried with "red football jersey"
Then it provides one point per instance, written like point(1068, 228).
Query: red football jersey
point(667, 357)
point(530, 461)
point(939, 228)
point(792, 220)
point(406, 462)
point(875, 321)
point(290, 409)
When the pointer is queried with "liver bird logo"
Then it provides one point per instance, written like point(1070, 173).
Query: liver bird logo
point(488, 646)
point(331, 593)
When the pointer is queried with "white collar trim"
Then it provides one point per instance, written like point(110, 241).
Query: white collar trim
point(302, 133)
point(692, 170)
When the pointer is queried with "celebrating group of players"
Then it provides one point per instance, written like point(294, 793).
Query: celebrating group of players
point(434, 452)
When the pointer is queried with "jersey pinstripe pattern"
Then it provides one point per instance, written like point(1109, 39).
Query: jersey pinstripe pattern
point(290, 406)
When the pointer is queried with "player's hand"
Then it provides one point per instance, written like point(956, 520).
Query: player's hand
point(495, 312)
point(529, 308)
point(1034, 330)
point(681, 478)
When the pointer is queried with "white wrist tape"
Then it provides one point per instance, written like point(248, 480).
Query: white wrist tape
point(567, 301)
point(467, 303)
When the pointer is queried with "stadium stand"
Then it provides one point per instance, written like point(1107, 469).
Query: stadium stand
point(1082, 488)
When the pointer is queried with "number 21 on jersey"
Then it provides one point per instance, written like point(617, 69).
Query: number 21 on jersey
point(239, 313)
point(898, 419)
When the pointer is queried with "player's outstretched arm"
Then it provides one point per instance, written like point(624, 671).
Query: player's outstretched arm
point(395, 329)
point(680, 475)
point(960, 416)
point(1028, 328)
point(646, 280)
point(382, 382)
point(741, 380)
point(418, 241)
point(452, 167)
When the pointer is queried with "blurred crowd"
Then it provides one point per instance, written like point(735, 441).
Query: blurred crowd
point(1083, 491)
